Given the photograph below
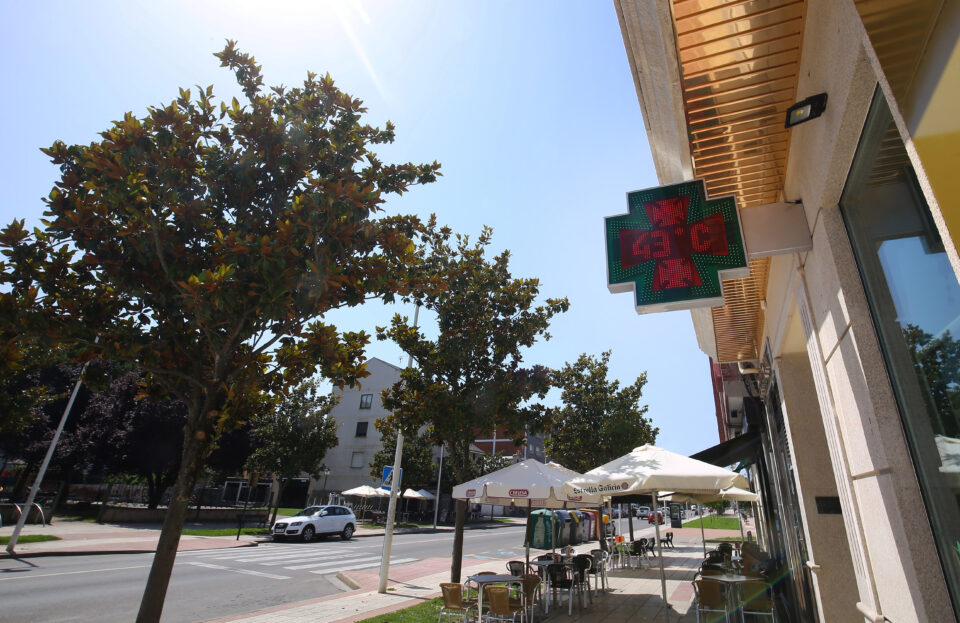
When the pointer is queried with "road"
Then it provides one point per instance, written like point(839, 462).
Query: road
point(216, 583)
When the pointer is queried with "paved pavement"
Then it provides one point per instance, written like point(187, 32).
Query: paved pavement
point(632, 595)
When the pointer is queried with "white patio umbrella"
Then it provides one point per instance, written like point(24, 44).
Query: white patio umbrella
point(426, 495)
point(538, 484)
point(649, 469)
point(366, 491)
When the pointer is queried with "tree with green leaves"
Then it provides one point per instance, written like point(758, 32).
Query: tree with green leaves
point(294, 436)
point(471, 377)
point(204, 243)
point(416, 461)
point(596, 421)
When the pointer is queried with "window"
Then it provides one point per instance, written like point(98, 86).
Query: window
point(915, 302)
point(356, 460)
point(361, 429)
point(366, 401)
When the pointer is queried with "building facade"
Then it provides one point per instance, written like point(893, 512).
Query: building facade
point(835, 363)
point(348, 464)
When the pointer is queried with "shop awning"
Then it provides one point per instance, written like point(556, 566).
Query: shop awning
point(739, 450)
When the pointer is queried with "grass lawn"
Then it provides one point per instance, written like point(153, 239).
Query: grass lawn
point(715, 523)
point(223, 531)
point(427, 612)
point(30, 538)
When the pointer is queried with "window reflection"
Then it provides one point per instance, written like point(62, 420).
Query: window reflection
point(915, 300)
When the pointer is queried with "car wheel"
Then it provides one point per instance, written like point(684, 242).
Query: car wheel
point(347, 532)
point(307, 534)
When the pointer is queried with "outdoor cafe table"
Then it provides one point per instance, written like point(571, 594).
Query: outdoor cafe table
point(733, 597)
point(491, 578)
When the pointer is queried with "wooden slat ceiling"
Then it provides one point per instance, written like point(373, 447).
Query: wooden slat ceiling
point(739, 60)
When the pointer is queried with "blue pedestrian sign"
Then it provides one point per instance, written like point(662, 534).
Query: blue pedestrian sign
point(387, 474)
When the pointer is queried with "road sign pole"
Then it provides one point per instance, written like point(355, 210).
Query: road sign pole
point(394, 490)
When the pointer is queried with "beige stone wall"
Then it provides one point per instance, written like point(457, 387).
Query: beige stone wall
point(890, 547)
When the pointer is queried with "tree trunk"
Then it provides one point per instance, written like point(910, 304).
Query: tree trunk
point(153, 491)
point(457, 560)
point(276, 505)
point(194, 452)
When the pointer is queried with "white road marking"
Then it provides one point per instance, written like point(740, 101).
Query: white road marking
point(274, 563)
point(50, 575)
point(245, 571)
point(330, 563)
point(398, 561)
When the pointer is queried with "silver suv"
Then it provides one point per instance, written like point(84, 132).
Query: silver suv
point(315, 521)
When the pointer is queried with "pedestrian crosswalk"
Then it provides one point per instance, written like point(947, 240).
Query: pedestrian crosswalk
point(274, 560)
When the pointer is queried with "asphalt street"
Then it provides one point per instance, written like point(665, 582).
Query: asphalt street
point(215, 583)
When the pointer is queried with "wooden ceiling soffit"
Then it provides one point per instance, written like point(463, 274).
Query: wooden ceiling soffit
point(739, 61)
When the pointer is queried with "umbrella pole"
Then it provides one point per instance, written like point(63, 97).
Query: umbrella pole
point(663, 576)
point(703, 538)
point(630, 520)
point(740, 521)
point(527, 531)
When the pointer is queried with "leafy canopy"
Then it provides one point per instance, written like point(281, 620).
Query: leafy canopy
point(596, 421)
point(419, 468)
point(471, 377)
point(296, 434)
point(204, 243)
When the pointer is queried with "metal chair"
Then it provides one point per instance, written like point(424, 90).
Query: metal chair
point(454, 604)
point(711, 596)
point(562, 577)
point(668, 540)
point(516, 567)
point(638, 552)
point(497, 599)
point(529, 597)
point(755, 599)
point(583, 563)
point(601, 560)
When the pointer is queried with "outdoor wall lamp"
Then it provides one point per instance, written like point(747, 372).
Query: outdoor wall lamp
point(808, 109)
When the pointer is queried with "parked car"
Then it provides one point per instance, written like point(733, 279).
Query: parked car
point(315, 521)
point(659, 517)
point(643, 511)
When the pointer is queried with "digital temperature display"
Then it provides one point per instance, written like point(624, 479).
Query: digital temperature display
point(674, 247)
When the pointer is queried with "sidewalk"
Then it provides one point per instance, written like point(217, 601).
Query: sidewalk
point(632, 595)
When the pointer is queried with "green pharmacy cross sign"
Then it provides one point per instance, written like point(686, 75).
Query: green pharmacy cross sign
point(674, 247)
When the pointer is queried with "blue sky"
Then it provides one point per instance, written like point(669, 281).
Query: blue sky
point(530, 107)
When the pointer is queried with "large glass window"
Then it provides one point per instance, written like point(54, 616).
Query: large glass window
point(915, 300)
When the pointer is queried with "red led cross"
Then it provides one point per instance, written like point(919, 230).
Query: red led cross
point(671, 243)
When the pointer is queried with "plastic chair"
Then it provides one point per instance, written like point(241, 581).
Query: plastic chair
point(497, 599)
point(530, 590)
point(454, 604)
point(755, 600)
point(561, 577)
point(711, 596)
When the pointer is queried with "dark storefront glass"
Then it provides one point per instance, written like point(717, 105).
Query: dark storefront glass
point(785, 532)
point(915, 301)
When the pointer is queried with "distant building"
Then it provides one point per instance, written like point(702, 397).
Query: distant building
point(356, 414)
